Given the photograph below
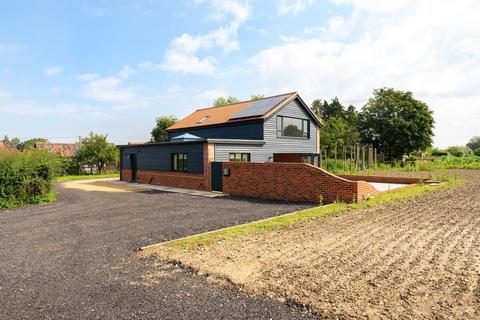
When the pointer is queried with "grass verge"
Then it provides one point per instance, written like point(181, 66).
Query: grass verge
point(206, 239)
point(87, 176)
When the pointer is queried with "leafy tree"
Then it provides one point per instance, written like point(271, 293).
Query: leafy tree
point(6, 139)
point(15, 141)
point(256, 96)
point(96, 151)
point(474, 143)
point(29, 144)
point(477, 152)
point(221, 101)
point(339, 124)
point(396, 123)
point(159, 133)
point(459, 151)
point(337, 132)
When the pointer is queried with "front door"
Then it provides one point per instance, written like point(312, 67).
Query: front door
point(217, 176)
point(133, 167)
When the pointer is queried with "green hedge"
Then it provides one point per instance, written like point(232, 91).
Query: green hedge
point(27, 177)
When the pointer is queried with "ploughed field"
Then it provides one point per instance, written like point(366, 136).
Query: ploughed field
point(416, 258)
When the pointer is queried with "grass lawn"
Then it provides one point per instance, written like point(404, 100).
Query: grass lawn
point(87, 176)
point(282, 221)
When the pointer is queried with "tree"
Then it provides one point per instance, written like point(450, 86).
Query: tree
point(474, 143)
point(5, 139)
point(159, 133)
point(396, 123)
point(339, 124)
point(96, 151)
point(15, 141)
point(221, 101)
point(256, 96)
point(459, 151)
point(29, 144)
point(337, 132)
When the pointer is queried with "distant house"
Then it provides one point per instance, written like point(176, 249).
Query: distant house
point(8, 146)
point(278, 128)
point(67, 150)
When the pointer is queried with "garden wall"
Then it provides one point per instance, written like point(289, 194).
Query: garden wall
point(292, 182)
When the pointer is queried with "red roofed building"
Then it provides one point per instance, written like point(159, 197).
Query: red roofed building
point(64, 149)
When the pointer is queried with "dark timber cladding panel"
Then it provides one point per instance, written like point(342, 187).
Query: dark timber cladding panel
point(159, 158)
point(251, 130)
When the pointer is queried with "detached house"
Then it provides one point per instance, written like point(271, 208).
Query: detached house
point(279, 128)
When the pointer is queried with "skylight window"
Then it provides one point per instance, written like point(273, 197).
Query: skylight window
point(203, 119)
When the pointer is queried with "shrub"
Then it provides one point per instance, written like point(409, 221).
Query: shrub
point(26, 177)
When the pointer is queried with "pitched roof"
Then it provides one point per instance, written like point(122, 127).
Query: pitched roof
point(235, 112)
point(64, 149)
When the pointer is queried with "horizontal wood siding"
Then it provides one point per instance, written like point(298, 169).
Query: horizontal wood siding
point(274, 144)
point(257, 152)
point(252, 130)
point(158, 158)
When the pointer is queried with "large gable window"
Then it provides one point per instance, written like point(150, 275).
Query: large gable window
point(179, 162)
point(293, 127)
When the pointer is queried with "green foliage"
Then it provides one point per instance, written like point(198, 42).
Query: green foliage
point(337, 132)
point(96, 151)
point(26, 178)
point(29, 144)
point(474, 143)
point(477, 152)
point(159, 133)
point(339, 124)
point(221, 101)
point(459, 151)
point(396, 123)
point(436, 152)
point(256, 96)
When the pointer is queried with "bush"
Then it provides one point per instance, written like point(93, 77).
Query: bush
point(459, 151)
point(26, 177)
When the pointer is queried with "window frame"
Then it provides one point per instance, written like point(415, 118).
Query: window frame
point(179, 162)
point(305, 128)
point(241, 158)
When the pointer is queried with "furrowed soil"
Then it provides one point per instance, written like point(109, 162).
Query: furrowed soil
point(417, 258)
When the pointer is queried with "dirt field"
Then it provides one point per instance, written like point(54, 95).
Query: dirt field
point(414, 259)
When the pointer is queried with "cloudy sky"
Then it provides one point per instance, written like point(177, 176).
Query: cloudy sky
point(112, 66)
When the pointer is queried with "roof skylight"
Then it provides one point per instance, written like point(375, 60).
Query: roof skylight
point(203, 119)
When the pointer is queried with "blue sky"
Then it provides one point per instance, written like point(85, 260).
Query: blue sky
point(114, 66)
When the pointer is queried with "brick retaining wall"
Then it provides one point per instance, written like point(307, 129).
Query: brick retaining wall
point(291, 182)
point(399, 180)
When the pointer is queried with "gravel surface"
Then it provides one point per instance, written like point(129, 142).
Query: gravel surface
point(75, 259)
point(414, 259)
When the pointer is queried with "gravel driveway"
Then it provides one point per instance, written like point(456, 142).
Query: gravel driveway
point(74, 259)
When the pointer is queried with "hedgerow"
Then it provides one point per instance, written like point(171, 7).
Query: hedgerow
point(27, 177)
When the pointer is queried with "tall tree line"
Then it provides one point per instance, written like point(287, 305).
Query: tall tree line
point(392, 121)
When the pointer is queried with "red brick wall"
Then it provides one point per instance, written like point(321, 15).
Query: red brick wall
point(291, 182)
point(400, 180)
point(287, 157)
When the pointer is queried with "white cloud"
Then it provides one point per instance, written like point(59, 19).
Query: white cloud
point(183, 52)
point(293, 7)
point(55, 89)
point(5, 94)
point(207, 97)
point(126, 72)
point(375, 5)
point(174, 88)
point(87, 76)
point(109, 89)
point(32, 108)
point(432, 50)
point(53, 71)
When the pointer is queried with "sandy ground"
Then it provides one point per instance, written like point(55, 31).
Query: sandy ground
point(414, 259)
